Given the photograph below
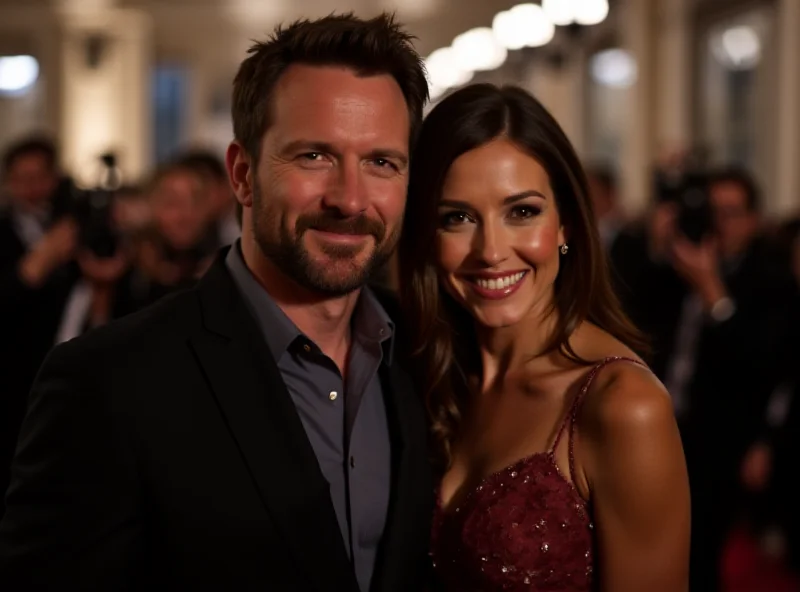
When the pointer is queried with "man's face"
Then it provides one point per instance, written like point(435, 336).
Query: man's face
point(735, 224)
point(329, 189)
point(178, 209)
point(31, 180)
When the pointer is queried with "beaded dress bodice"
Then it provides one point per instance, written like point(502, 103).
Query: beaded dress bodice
point(524, 527)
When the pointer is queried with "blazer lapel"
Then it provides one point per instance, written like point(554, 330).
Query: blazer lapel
point(261, 416)
point(405, 543)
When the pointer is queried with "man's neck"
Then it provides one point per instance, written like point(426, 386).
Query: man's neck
point(324, 320)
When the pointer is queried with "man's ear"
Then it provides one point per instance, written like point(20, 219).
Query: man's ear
point(241, 173)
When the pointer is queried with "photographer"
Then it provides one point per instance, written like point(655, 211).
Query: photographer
point(37, 271)
point(103, 257)
point(720, 369)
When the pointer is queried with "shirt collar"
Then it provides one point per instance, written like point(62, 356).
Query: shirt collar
point(371, 322)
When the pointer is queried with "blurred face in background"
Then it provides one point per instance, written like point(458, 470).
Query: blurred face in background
point(131, 211)
point(31, 180)
point(602, 195)
point(735, 224)
point(179, 209)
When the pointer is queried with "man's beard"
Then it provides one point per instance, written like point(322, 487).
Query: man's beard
point(289, 254)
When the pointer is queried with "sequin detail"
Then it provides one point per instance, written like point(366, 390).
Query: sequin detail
point(524, 527)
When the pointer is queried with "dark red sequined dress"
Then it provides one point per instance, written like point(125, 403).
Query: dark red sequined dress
point(522, 528)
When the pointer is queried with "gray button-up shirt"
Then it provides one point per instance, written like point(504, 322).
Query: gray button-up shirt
point(345, 421)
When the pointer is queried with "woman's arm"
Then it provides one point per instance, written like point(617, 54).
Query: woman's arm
point(630, 453)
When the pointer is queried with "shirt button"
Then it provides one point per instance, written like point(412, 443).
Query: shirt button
point(332, 395)
point(307, 348)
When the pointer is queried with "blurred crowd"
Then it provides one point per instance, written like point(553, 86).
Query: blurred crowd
point(73, 258)
point(714, 286)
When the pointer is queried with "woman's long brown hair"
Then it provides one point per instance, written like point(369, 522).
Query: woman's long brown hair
point(443, 337)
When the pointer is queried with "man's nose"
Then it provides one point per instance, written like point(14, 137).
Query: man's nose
point(347, 192)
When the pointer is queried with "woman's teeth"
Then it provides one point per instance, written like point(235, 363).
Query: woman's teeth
point(499, 283)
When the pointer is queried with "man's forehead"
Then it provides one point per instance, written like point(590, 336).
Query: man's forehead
point(307, 90)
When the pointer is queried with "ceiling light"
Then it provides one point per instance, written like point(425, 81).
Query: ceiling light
point(17, 73)
point(582, 12)
point(525, 25)
point(737, 48)
point(478, 50)
point(444, 70)
point(614, 68)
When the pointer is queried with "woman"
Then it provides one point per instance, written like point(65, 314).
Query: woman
point(562, 464)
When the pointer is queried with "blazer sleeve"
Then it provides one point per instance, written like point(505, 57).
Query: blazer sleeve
point(73, 508)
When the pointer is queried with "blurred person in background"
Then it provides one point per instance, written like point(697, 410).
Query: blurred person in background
point(769, 470)
point(650, 290)
point(37, 271)
point(605, 201)
point(177, 247)
point(255, 432)
point(718, 368)
point(131, 212)
point(225, 223)
point(105, 290)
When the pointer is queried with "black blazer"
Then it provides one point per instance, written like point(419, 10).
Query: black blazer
point(163, 451)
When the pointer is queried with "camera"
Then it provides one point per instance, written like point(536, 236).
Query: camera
point(92, 209)
point(689, 192)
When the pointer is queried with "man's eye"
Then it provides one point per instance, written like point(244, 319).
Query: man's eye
point(384, 163)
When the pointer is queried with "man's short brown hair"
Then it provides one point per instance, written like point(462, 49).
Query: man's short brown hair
point(368, 47)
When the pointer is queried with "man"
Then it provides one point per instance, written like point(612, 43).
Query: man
point(37, 272)
point(256, 432)
point(605, 200)
point(222, 208)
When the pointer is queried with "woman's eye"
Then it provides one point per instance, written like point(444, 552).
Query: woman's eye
point(454, 218)
point(524, 212)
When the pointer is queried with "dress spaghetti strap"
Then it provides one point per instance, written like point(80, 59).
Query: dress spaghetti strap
point(575, 406)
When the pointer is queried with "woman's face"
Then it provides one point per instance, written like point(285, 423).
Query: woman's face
point(499, 234)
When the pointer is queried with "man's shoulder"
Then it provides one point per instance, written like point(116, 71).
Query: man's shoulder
point(138, 335)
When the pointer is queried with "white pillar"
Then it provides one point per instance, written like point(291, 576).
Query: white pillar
point(638, 33)
point(674, 76)
point(562, 91)
point(787, 194)
point(106, 68)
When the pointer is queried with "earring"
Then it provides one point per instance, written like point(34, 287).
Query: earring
point(564, 249)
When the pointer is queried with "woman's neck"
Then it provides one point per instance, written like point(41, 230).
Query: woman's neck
point(504, 349)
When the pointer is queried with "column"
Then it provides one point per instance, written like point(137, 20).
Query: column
point(105, 100)
point(638, 33)
point(674, 76)
point(562, 90)
point(787, 187)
